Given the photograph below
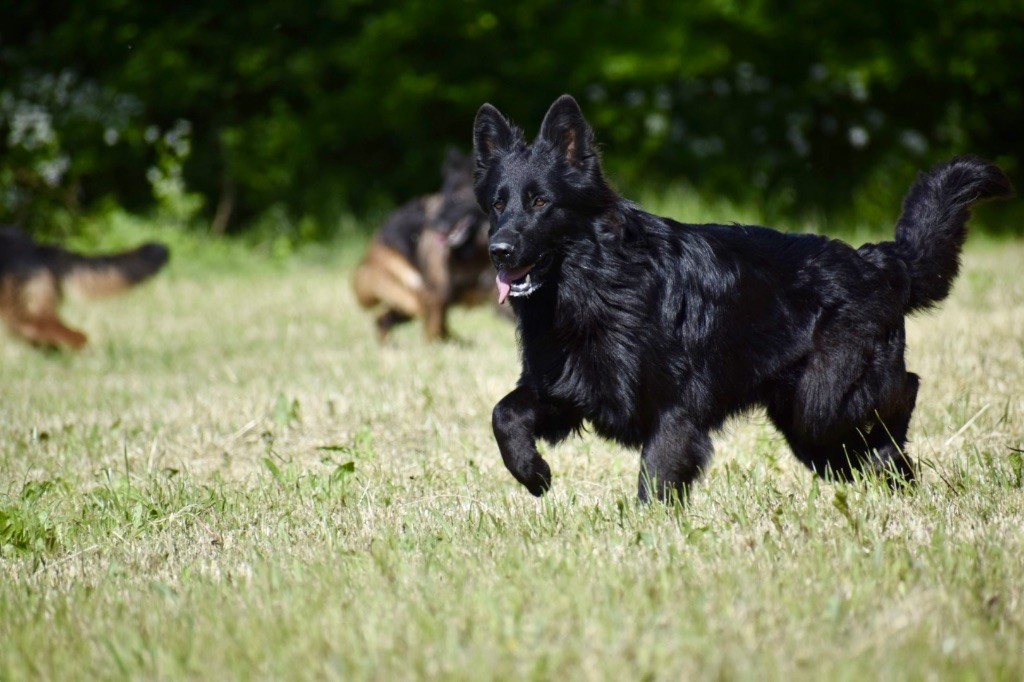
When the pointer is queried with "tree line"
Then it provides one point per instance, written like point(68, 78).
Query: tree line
point(227, 113)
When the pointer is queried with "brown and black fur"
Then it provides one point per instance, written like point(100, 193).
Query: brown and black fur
point(430, 254)
point(34, 277)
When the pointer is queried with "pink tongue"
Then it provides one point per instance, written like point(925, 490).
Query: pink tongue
point(503, 290)
point(506, 278)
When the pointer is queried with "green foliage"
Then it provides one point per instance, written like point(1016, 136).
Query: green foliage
point(25, 523)
point(310, 110)
point(58, 133)
point(173, 200)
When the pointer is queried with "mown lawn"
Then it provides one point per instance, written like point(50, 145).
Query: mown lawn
point(236, 481)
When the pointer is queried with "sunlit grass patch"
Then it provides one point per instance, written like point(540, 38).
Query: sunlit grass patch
point(235, 480)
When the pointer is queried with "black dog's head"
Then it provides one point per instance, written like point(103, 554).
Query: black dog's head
point(539, 197)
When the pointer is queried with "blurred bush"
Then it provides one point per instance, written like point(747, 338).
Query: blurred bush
point(291, 114)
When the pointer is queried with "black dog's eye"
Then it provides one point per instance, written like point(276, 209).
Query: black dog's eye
point(498, 205)
point(539, 202)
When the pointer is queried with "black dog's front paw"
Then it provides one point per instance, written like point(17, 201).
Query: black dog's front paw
point(536, 476)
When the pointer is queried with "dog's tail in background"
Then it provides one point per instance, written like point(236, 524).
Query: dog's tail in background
point(105, 275)
point(931, 231)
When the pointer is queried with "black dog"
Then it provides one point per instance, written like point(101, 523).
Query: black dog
point(656, 331)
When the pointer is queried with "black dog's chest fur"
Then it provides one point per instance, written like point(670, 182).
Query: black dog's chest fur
point(579, 358)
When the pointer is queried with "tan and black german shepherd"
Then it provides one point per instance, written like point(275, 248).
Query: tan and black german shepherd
point(34, 277)
point(430, 254)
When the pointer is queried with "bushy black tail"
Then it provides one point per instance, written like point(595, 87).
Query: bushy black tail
point(931, 231)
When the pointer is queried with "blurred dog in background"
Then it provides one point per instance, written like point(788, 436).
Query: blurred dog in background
point(430, 254)
point(34, 277)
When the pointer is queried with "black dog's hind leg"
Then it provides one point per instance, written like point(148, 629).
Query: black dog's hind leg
point(878, 444)
point(518, 420)
point(673, 457)
point(888, 439)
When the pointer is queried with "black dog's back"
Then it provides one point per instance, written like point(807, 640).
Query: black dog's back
point(656, 331)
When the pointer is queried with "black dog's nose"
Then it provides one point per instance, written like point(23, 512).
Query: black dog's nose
point(500, 251)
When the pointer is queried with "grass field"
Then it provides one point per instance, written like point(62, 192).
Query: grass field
point(235, 481)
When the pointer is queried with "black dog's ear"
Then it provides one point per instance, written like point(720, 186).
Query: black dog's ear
point(567, 131)
point(492, 135)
